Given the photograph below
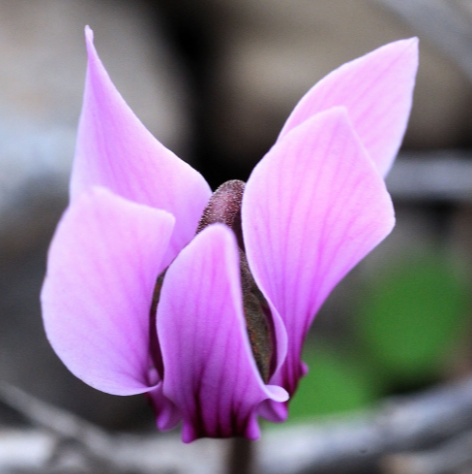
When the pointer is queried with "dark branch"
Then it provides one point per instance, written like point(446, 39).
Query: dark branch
point(441, 175)
point(403, 424)
point(442, 23)
point(452, 456)
point(352, 444)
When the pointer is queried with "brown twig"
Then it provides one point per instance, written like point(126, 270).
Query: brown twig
point(431, 176)
point(356, 444)
point(452, 456)
point(442, 23)
point(351, 444)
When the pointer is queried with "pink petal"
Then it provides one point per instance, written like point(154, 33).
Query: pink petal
point(102, 267)
point(377, 91)
point(312, 209)
point(281, 337)
point(116, 151)
point(209, 370)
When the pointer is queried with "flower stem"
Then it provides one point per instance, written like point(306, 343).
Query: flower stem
point(240, 456)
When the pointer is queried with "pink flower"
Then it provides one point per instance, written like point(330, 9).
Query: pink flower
point(313, 207)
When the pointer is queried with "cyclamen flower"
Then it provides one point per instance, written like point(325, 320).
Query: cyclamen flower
point(221, 343)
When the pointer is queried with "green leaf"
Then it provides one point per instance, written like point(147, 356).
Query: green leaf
point(336, 382)
point(412, 316)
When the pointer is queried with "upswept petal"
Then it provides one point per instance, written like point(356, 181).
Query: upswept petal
point(116, 151)
point(102, 267)
point(377, 90)
point(312, 209)
point(210, 373)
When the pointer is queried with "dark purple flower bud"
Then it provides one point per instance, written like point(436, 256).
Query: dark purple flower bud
point(224, 207)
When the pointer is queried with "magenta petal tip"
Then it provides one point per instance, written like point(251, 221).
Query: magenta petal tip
point(88, 34)
point(377, 90)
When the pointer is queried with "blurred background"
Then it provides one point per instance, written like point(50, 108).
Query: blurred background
point(214, 80)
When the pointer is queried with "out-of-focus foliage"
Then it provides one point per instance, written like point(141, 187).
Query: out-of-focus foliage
point(336, 382)
point(412, 317)
point(406, 325)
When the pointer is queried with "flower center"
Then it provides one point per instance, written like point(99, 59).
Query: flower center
point(224, 207)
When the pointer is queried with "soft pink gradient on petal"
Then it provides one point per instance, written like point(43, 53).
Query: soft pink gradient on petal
point(312, 209)
point(167, 414)
point(116, 151)
point(377, 90)
point(102, 267)
point(210, 373)
point(273, 411)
